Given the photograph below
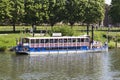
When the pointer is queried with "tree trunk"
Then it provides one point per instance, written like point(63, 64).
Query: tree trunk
point(92, 33)
point(33, 30)
point(71, 24)
point(14, 27)
point(108, 35)
point(87, 29)
point(116, 42)
point(52, 26)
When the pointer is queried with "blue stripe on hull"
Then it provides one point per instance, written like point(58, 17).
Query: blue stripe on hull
point(26, 48)
point(57, 48)
point(61, 50)
point(47, 49)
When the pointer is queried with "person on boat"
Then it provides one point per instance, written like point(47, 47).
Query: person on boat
point(91, 43)
point(96, 44)
point(105, 43)
point(31, 30)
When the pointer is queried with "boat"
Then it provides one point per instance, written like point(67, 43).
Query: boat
point(63, 44)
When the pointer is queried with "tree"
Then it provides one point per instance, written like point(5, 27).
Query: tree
point(30, 16)
point(74, 11)
point(16, 12)
point(94, 12)
point(41, 9)
point(115, 11)
point(5, 8)
point(55, 11)
point(107, 20)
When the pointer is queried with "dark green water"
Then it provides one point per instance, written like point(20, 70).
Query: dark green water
point(84, 66)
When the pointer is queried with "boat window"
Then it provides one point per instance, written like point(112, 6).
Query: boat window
point(86, 40)
point(69, 40)
point(73, 40)
point(32, 40)
point(37, 40)
point(46, 40)
point(60, 40)
point(51, 41)
point(42, 41)
point(78, 40)
point(56, 40)
point(65, 40)
point(82, 40)
point(25, 40)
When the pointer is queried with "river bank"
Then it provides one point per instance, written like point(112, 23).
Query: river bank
point(8, 41)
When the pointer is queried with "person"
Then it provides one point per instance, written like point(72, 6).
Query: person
point(105, 43)
point(31, 30)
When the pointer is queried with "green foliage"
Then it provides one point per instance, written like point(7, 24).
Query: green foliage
point(74, 11)
point(115, 11)
point(94, 12)
point(66, 31)
point(8, 41)
point(17, 11)
point(3, 48)
point(30, 12)
point(118, 37)
point(111, 45)
point(5, 8)
point(55, 11)
point(99, 36)
point(50, 11)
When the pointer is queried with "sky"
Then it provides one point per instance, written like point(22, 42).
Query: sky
point(108, 1)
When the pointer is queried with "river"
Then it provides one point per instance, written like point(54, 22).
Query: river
point(82, 66)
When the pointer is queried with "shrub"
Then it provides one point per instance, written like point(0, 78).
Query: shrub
point(3, 48)
point(111, 45)
point(118, 37)
point(99, 36)
point(65, 30)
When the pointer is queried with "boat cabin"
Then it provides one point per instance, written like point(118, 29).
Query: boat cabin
point(55, 43)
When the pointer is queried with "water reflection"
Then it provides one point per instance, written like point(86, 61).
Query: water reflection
point(85, 66)
point(52, 67)
point(5, 66)
point(115, 64)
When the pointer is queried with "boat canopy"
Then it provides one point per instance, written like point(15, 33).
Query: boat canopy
point(57, 37)
point(65, 39)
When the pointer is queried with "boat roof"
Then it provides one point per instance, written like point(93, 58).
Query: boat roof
point(57, 37)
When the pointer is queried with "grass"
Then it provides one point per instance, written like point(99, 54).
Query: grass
point(8, 41)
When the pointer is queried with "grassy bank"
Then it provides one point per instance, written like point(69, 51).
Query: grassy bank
point(8, 40)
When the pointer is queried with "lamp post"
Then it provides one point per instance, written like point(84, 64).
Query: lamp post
point(92, 33)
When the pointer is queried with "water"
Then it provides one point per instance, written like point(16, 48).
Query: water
point(84, 66)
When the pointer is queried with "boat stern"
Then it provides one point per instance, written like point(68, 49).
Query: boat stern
point(22, 50)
